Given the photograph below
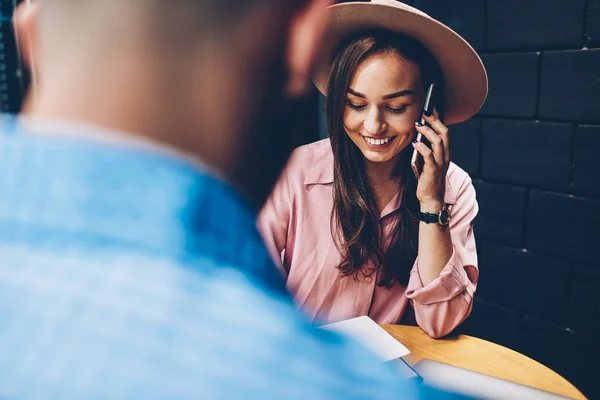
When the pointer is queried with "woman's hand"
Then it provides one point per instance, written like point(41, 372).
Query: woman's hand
point(432, 182)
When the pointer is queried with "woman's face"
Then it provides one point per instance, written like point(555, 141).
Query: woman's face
point(382, 104)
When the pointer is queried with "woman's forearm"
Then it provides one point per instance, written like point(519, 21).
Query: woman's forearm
point(435, 246)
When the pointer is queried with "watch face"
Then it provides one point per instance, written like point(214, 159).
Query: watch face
point(444, 217)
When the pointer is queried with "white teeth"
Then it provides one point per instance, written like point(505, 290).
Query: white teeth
point(377, 142)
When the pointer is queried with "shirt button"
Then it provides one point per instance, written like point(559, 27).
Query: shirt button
point(368, 279)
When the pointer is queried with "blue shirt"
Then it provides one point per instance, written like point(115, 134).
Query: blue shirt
point(130, 273)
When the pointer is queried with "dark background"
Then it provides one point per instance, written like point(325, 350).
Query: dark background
point(532, 152)
point(13, 80)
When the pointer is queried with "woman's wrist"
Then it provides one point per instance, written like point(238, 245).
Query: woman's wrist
point(432, 206)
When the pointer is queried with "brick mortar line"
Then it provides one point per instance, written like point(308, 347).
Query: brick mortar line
point(530, 50)
point(586, 13)
point(538, 89)
point(572, 160)
point(536, 252)
point(526, 199)
point(534, 119)
point(534, 187)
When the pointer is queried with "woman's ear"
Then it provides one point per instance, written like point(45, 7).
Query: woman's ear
point(25, 19)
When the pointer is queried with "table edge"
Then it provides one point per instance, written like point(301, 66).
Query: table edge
point(487, 342)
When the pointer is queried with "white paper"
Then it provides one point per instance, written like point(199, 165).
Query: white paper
point(365, 331)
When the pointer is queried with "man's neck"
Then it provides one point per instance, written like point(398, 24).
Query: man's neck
point(40, 119)
point(80, 108)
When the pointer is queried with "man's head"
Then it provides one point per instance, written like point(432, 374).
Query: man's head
point(213, 78)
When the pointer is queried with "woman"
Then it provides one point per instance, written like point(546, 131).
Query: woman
point(358, 234)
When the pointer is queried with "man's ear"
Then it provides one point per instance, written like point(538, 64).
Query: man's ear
point(25, 19)
point(306, 32)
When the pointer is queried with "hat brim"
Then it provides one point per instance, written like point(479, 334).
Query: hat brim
point(466, 82)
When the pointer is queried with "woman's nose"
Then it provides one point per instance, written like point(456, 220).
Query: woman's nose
point(373, 124)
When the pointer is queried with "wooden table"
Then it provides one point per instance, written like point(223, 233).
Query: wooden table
point(482, 356)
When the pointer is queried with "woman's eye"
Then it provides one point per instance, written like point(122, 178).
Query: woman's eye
point(356, 107)
point(397, 110)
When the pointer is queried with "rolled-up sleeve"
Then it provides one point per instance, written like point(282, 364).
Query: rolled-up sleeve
point(273, 220)
point(447, 301)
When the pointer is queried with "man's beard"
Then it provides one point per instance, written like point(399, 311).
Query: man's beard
point(270, 136)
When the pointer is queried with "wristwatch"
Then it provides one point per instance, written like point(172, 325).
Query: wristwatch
point(441, 218)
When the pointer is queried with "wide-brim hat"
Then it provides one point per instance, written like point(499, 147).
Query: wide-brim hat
point(465, 78)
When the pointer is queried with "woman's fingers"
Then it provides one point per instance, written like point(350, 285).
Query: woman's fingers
point(427, 154)
point(437, 144)
point(442, 131)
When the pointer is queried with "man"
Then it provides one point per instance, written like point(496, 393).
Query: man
point(129, 268)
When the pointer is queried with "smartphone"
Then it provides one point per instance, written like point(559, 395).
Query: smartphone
point(416, 160)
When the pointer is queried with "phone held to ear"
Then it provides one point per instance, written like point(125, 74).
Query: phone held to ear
point(416, 160)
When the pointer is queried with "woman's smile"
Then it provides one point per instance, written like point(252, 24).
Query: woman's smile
point(379, 143)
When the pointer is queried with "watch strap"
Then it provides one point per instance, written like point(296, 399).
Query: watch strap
point(442, 217)
point(428, 218)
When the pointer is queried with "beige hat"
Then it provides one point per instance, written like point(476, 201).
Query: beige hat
point(465, 78)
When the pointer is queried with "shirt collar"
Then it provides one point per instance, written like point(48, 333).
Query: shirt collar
point(321, 167)
point(87, 131)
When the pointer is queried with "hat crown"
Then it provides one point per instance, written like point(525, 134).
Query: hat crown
point(398, 4)
point(389, 2)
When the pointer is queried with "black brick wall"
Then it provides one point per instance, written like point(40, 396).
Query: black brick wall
point(570, 85)
point(533, 24)
point(513, 80)
point(586, 172)
point(502, 224)
point(527, 152)
point(592, 31)
point(534, 150)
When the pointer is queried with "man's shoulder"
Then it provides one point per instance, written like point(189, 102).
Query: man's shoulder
point(192, 321)
point(133, 197)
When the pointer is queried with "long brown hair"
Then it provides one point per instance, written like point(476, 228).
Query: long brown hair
point(355, 225)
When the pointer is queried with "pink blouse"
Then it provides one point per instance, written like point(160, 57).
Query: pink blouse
point(295, 223)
